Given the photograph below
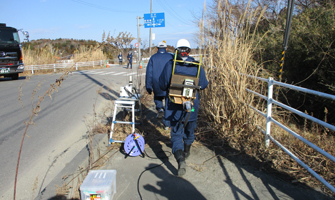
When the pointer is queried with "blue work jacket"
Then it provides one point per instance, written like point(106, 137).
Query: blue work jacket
point(130, 57)
point(175, 112)
point(155, 67)
point(120, 57)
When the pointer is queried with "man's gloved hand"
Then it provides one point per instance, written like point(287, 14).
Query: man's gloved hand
point(149, 90)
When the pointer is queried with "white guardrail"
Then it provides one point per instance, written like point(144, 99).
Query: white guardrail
point(65, 64)
point(269, 119)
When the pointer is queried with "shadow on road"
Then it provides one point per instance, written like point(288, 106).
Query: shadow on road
point(274, 180)
point(10, 79)
point(171, 186)
point(61, 197)
point(111, 95)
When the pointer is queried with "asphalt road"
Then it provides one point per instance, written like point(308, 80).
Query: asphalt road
point(60, 129)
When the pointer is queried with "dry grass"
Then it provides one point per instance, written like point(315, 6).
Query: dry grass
point(45, 55)
point(229, 45)
point(95, 54)
point(50, 55)
point(229, 55)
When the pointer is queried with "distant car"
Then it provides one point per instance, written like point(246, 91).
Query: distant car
point(11, 63)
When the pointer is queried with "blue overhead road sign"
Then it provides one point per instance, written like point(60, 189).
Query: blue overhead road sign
point(154, 20)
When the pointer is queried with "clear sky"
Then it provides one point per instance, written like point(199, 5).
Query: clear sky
point(87, 19)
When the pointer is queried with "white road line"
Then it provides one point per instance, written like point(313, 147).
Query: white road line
point(130, 74)
point(88, 72)
point(108, 73)
point(119, 73)
point(95, 72)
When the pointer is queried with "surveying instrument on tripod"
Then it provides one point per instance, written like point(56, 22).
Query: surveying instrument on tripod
point(129, 100)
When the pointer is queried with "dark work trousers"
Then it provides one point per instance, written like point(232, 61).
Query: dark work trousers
point(131, 65)
point(120, 62)
point(159, 102)
point(182, 135)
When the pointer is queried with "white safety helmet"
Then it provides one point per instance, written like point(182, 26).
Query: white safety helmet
point(183, 46)
point(162, 45)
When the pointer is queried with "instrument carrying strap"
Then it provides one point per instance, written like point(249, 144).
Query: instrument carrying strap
point(187, 117)
point(187, 114)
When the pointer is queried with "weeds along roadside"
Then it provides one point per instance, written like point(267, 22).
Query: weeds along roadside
point(228, 46)
point(96, 159)
point(100, 123)
point(36, 109)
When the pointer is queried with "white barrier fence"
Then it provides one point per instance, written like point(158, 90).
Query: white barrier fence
point(66, 64)
point(269, 120)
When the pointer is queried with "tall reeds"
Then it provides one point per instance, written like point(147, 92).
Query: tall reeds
point(92, 53)
point(45, 55)
point(228, 45)
point(49, 55)
point(228, 38)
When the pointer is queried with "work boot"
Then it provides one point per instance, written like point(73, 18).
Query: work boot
point(180, 157)
point(187, 149)
point(160, 113)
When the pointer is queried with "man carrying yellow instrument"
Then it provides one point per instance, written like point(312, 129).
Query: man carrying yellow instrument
point(182, 77)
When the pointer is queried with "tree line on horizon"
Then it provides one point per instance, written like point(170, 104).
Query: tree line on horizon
point(111, 48)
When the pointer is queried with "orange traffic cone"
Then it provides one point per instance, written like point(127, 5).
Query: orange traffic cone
point(140, 65)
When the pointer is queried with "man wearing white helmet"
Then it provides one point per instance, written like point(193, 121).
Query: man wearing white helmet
point(154, 69)
point(182, 127)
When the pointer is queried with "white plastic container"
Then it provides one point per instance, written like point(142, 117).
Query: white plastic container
point(99, 185)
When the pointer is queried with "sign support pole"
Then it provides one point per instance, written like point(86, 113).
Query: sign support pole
point(139, 39)
point(150, 32)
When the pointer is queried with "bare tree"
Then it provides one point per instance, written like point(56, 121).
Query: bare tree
point(118, 44)
point(122, 41)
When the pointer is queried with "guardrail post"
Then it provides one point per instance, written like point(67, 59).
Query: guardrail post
point(268, 113)
point(93, 64)
point(54, 67)
point(32, 69)
point(76, 66)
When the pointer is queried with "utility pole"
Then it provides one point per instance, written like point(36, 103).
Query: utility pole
point(139, 39)
point(150, 32)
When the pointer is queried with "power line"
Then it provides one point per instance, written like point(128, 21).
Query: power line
point(173, 10)
point(172, 13)
point(177, 28)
